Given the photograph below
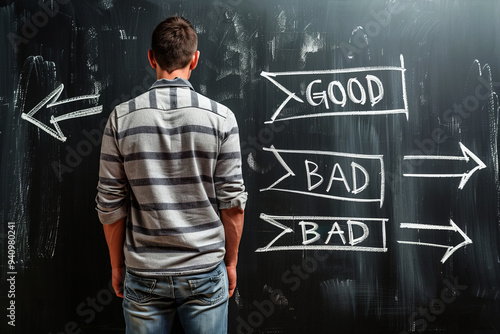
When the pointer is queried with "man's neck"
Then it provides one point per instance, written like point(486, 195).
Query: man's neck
point(184, 73)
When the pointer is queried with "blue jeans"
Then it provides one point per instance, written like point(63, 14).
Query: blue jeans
point(201, 302)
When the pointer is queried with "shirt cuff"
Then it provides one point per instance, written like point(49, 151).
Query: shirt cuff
point(239, 202)
point(112, 216)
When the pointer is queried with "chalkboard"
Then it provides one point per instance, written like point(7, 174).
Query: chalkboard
point(369, 135)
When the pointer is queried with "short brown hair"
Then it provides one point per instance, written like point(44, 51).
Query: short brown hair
point(174, 42)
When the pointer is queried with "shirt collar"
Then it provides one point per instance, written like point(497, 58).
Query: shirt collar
point(177, 82)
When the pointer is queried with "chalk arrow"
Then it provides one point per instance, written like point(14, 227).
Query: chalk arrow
point(466, 156)
point(449, 249)
point(51, 101)
point(271, 220)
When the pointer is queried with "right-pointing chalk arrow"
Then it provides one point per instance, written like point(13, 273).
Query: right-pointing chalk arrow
point(466, 156)
point(449, 249)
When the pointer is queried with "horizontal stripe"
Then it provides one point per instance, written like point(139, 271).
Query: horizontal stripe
point(168, 131)
point(230, 178)
point(111, 158)
point(175, 230)
point(108, 132)
point(229, 156)
point(172, 206)
point(176, 249)
point(214, 112)
point(180, 155)
point(112, 182)
point(111, 204)
point(175, 270)
point(170, 181)
point(234, 131)
point(170, 156)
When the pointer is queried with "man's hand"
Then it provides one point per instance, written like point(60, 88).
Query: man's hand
point(115, 237)
point(231, 275)
point(118, 277)
point(232, 219)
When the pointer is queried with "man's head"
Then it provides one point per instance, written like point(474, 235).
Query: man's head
point(174, 45)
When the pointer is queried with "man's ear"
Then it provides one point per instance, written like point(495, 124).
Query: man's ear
point(194, 60)
point(152, 60)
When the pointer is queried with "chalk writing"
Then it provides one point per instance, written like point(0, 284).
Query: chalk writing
point(338, 93)
point(349, 177)
point(343, 233)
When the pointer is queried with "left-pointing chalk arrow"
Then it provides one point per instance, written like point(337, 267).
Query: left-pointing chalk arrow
point(51, 101)
point(449, 249)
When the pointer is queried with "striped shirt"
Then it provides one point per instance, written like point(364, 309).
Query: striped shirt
point(170, 160)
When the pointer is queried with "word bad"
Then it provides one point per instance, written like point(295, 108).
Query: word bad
point(311, 229)
point(337, 175)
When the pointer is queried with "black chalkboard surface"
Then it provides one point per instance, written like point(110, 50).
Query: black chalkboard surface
point(369, 134)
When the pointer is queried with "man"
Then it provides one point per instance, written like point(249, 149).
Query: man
point(171, 196)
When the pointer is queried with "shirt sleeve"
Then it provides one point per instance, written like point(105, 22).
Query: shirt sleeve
point(228, 178)
point(112, 188)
